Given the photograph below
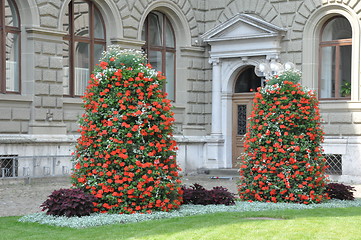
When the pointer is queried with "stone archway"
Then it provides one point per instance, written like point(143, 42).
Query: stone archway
point(241, 41)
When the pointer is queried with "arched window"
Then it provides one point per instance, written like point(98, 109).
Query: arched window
point(335, 59)
point(9, 47)
point(83, 45)
point(247, 80)
point(160, 47)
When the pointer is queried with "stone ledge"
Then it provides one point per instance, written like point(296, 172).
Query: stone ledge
point(34, 180)
point(31, 139)
point(198, 139)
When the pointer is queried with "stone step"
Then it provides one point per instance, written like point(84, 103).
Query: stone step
point(223, 172)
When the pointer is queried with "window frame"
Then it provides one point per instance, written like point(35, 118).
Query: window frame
point(337, 44)
point(72, 39)
point(4, 30)
point(163, 48)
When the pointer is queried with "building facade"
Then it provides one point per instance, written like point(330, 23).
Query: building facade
point(208, 50)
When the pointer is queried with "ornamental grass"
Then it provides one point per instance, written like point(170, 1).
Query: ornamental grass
point(125, 155)
point(283, 159)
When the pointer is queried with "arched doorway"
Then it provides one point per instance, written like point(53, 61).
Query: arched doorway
point(242, 100)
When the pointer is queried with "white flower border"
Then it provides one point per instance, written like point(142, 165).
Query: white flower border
point(99, 219)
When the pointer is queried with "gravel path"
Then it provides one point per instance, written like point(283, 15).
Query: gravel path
point(21, 199)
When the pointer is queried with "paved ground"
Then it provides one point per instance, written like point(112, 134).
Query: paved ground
point(20, 199)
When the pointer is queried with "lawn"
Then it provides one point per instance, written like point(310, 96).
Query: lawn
point(320, 223)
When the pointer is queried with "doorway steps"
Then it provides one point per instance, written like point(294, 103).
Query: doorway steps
point(223, 173)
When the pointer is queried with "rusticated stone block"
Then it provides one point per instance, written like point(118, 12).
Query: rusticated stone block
point(5, 113)
point(340, 117)
point(21, 114)
point(49, 101)
point(10, 127)
point(350, 129)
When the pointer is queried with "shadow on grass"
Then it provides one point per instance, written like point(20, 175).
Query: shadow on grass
point(182, 227)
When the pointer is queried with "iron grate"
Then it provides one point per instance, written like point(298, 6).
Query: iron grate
point(242, 119)
point(8, 166)
point(334, 163)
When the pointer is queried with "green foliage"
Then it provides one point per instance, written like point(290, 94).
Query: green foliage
point(290, 76)
point(283, 159)
point(126, 153)
point(345, 89)
point(116, 57)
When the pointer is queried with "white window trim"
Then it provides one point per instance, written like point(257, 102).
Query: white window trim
point(311, 39)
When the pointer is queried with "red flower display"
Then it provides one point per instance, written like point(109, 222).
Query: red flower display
point(125, 155)
point(283, 159)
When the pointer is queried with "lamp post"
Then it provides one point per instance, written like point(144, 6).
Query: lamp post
point(272, 68)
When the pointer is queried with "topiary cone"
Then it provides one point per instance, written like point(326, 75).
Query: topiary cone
point(125, 155)
point(283, 160)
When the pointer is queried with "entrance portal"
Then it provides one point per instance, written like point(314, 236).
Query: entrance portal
point(242, 101)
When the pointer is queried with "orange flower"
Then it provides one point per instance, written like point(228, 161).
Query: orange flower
point(103, 64)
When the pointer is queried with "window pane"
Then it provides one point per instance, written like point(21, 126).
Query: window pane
point(66, 76)
point(337, 28)
point(327, 88)
point(345, 70)
point(155, 59)
point(12, 62)
point(11, 18)
point(81, 67)
point(77, 51)
point(98, 25)
point(98, 50)
point(169, 87)
point(169, 36)
point(155, 29)
point(247, 80)
point(81, 18)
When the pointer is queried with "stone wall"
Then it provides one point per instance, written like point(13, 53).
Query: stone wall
point(198, 16)
point(42, 65)
point(42, 109)
point(43, 89)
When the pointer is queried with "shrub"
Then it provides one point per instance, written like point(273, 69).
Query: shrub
point(340, 191)
point(125, 155)
point(221, 195)
point(69, 202)
point(198, 195)
point(283, 159)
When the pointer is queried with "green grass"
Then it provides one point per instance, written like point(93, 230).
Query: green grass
point(325, 223)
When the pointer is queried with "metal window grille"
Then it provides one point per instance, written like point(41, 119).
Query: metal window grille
point(14, 166)
point(8, 166)
point(334, 163)
point(242, 119)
